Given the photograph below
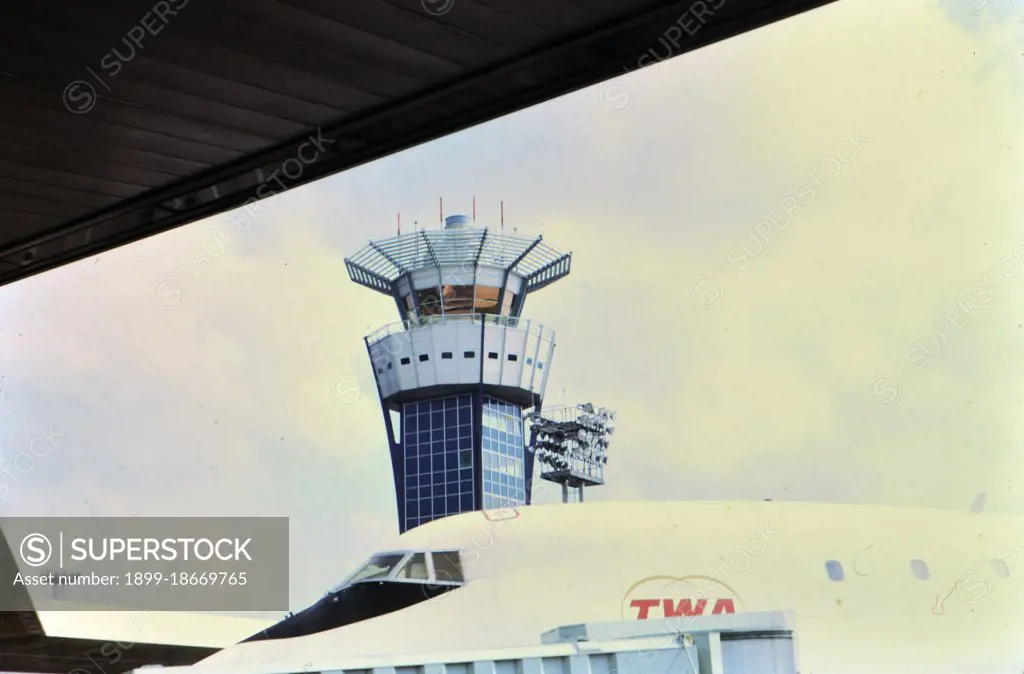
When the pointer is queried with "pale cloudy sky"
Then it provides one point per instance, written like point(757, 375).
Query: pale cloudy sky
point(822, 356)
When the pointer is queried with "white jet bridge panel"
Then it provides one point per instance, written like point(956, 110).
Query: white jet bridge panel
point(748, 643)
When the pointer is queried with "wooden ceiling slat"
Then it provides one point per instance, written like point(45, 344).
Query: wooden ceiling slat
point(231, 86)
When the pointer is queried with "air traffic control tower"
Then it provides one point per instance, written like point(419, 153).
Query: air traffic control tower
point(457, 373)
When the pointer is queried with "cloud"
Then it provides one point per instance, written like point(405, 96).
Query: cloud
point(221, 405)
point(767, 392)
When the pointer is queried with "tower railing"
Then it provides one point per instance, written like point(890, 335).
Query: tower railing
point(419, 322)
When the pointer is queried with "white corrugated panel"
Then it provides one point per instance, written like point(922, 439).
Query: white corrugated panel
point(752, 643)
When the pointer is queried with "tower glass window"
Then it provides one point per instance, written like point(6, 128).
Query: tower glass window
point(429, 302)
point(461, 299)
point(457, 299)
point(487, 299)
point(502, 454)
point(507, 302)
point(438, 444)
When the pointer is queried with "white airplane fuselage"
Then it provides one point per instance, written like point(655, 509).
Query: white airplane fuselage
point(873, 589)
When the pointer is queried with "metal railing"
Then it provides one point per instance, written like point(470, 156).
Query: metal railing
point(575, 466)
point(416, 323)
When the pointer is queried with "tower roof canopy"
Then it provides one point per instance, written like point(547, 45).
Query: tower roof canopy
point(379, 264)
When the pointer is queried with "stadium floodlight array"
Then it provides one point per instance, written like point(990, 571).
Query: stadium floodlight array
point(571, 445)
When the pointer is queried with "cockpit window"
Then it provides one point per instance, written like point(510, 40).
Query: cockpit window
point(415, 568)
point(378, 567)
point(398, 580)
point(447, 567)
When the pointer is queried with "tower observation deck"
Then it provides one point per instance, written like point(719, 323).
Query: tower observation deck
point(456, 374)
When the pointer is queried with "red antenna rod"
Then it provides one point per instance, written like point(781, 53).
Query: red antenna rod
point(503, 216)
point(399, 224)
point(474, 208)
point(441, 207)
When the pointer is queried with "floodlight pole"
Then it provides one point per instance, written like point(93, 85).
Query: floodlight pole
point(580, 458)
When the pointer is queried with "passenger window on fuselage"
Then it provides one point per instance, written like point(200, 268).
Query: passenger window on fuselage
point(834, 570)
point(415, 568)
point(447, 567)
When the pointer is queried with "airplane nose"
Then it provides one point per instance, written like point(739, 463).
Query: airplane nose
point(352, 604)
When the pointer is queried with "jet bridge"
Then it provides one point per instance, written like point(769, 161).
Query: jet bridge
point(744, 643)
